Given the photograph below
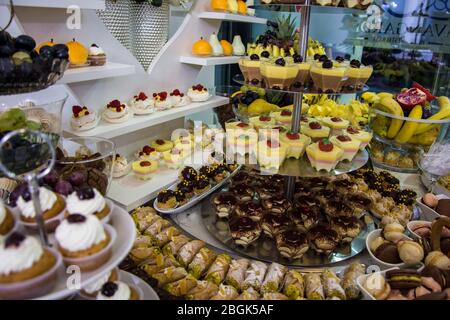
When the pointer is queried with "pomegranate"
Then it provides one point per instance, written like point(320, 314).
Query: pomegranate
point(411, 98)
point(430, 96)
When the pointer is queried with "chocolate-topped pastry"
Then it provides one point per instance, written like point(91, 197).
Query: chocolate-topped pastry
point(243, 191)
point(323, 238)
point(389, 179)
point(189, 174)
point(292, 244)
point(361, 184)
point(276, 204)
point(250, 209)
point(272, 224)
point(360, 203)
point(344, 186)
point(323, 196)
point(267, 190)
point(244, 230)
point(225, 203)
point(317, 182)
point(301, 188)
point(240, 177)
point(347, 228)
point(231, 167)
point(337, 208)
point(406, 197)
point(187, 187)
point(307, 200)
point(181, 198)
point(220, 172)
point(305, 216)
point(390, 191)
point(443, 207)
point(202, 184)
point(388, 252)
point(166, 199)
point(207, 171)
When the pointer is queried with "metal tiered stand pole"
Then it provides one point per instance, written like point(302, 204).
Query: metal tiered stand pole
point(305, 17)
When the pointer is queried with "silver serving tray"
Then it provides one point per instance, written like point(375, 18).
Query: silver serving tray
point(195, 199)
point(265, 249)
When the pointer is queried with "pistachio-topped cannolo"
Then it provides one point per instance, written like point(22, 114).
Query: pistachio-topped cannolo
point(164, 236)
point(201, 262)
point(218, 270)
point(156, 227)
point(204, 290)
point(226, 292)
point(187, 252)
point(181, 287)
point(274, 278)
point(274, 296)
point(254, 276)
point(248, 294)
point(236, 273)
point(175, 244)
point(332, 285)
point(349, 283)
point(294, 285)
point(146, 255)
point(168, 275)
point(314, 287)
point(160, 264)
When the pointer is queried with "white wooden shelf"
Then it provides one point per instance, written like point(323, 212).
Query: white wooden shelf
point(209, 61)
point(130, 192)
point(231, 17)
point(109, 70)
point(138, 122)
point(83, 4)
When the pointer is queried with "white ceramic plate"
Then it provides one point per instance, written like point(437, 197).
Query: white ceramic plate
point(427, 213)
point(148, 292)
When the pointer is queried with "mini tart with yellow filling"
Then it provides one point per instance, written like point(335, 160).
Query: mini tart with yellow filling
point(162, 145)
point(349, 145)
point(284, 117)
point(144, 169)
point(295, 144)
point(323, 155)
point(361, 135)
point(167, 199)
point(336, 124)
point(262, 122)
point(316, 131)
point(271, 154)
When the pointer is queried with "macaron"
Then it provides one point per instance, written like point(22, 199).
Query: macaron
point(440, 276)
point(443, 207)
point(388, 252)
point(403, 279)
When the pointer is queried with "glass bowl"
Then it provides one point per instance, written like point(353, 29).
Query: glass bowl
point(92, 157)
point(402, 151)
point(39, 77)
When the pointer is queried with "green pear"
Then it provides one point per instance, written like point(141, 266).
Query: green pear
point(232, 6)
point(216, 46)
point(238, 46)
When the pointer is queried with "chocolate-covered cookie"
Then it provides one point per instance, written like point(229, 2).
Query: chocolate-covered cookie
point(250, 209)
point(388, 252)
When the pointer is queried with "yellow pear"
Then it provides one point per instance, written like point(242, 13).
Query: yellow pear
point(233, 6)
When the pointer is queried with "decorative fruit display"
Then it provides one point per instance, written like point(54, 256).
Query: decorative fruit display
point(399, 137)
point(14, 119)
point(43, 44)
point(356, 112)
point(78, 54)
point(217, 49)
point(219, 5)
point(232, 6)
point(238, 46)
point(242, 7)
point(202, 48)
point(227, 47)
point(23, 69)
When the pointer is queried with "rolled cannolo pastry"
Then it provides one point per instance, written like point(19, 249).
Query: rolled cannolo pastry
point(187, 252)
point(294, 285)
point(201, 262)
point(332, 285)
point(168, 275)
point(219, 269)
point(314, 287)
point(236, 273)
point(254, 276)
point(204, 290)
point(274, 278)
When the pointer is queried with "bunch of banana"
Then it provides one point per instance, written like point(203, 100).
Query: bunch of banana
point(444, 113)
point(314, 98)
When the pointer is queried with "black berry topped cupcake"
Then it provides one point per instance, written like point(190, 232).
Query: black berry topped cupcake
point(188, 174)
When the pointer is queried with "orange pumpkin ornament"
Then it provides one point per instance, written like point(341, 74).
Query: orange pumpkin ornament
point(242, 7)
point(78, 54)
point(202, 48)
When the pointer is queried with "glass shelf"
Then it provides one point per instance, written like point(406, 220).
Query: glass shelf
point(315, 9)
point(402, 45)
point(239, 78)
point(302, 167)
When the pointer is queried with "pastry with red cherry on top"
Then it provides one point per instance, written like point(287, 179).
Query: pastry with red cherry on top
point(198, 93)
point(143, 169)
point(348, 144)
point(324, 155)
point(179, 99)
point(295, 143)
point(117, 112)
point(148, 153)
point(83, 119)
point(141, 104)
point(316, 131)
point(162, 101)
point(361, 135)
point(162, 145)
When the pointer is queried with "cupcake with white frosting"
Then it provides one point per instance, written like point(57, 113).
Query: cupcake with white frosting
point(141, 104)
point(84, 241)
point(162, 101)
point(97, 56)
point(179, 99)
point(117, 112)
point(26, 268)
point(82, 119)
point(52, 206)
point(118, 290)
point(121, 166)
point(6, 220)
point(92, 290)
point(88, 201)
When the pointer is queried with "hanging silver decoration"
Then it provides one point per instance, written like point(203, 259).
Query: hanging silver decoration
point(117, 19)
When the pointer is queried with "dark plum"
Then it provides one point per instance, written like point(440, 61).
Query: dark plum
point(25, 42)
point(64, 188)
point(77, 179)
point(51, 178)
